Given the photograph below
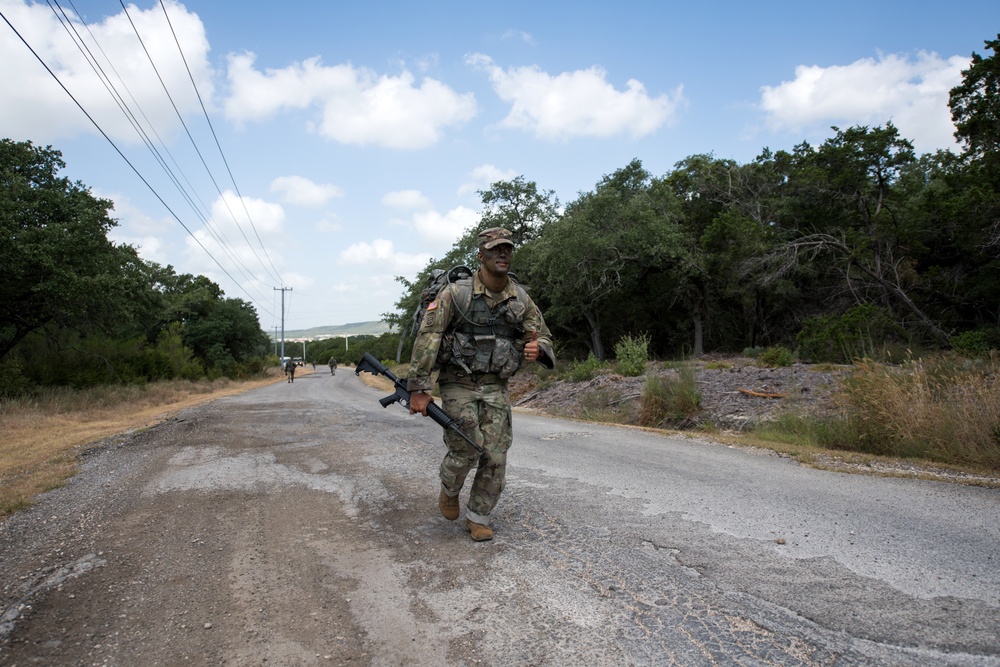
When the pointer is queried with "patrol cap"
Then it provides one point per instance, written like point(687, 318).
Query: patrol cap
point(491, 238)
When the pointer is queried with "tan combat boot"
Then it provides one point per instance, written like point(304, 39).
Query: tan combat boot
point(448, 505)
point(480, 533)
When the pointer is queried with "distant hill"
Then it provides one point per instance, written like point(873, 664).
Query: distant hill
point(319, 333)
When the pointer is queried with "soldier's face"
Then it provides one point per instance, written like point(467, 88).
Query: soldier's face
point(497, 260)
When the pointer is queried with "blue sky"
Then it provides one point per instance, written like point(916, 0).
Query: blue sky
point(357, 134)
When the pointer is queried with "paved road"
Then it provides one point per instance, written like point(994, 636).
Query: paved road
point(297, 524)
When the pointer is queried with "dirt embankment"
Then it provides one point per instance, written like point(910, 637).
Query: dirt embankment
point(735, 395)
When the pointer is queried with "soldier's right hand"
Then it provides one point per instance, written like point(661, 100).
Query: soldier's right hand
point(419, 402)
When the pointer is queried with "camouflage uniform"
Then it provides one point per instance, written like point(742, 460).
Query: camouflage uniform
point(478, 399)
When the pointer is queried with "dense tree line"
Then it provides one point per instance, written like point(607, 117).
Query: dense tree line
point(845, 249)
point(77, 309)
point(855, 247)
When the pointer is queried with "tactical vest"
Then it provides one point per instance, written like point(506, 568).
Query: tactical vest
point(485, 341)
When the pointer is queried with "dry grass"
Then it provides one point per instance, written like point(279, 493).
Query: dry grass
point(943, 409)
point(43, 437)
point(670, 400)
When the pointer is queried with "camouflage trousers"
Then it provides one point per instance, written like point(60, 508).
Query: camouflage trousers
point(485, 416)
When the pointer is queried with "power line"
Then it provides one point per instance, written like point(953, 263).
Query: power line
point(194, 144)
point(221, 153)
point(120, 153)
point(92, 60)
point(88, 55)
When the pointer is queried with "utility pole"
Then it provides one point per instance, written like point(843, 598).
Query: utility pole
point(283, 290)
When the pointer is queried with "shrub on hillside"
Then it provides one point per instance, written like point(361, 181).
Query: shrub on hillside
point(670, 399)
point(582, 371)
point(861, 332)
point(632, 355)
point(775, 357)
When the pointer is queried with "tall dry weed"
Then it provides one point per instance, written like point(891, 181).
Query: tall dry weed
point(672, 399)
point(945, 409)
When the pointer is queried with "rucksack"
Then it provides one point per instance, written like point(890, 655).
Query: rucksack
point(437, 281)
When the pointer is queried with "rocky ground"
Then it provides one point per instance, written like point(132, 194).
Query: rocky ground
point(735, 393)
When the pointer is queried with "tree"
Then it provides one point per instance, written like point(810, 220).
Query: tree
point(975, 109)
point(229, 332)
point(975, 105)
point(851, 213)
point(518, 206)
point(598, 258)
point(58, 265)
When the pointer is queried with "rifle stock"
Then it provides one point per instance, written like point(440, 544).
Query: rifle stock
point(370, 364)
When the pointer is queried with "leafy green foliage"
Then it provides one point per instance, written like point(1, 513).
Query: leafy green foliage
point(632, 355)
point(610, 249)
point(859, 333)
point(975, 104)
point(776, 356)
point(976, 343)
point(587, 369)
point(59, 268)
point(79, 310)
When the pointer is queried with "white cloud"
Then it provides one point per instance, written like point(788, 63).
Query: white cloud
point(447, 228)
point(358, 106)
point(406, 199)
point(303, 192)
point(436, 231)
point(575, 104)
point(485, 175)
point(913, 94)
point(383, 253)
point(36, 107)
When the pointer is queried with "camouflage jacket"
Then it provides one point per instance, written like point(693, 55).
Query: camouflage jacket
point(431, 348)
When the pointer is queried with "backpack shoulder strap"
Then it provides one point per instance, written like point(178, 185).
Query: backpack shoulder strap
point(461, 295)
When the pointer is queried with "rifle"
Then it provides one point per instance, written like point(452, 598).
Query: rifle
point(402, 395)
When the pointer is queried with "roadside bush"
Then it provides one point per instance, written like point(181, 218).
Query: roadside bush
point(976, 343)
point(775, 357)
point(670, 400)
point(632, 355)
point(861, 332)
point(582, 371)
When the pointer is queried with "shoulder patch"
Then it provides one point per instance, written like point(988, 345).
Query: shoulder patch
point(432, 305)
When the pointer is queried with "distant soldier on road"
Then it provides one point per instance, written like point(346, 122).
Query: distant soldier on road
point(333, 366)
point(290, 370)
